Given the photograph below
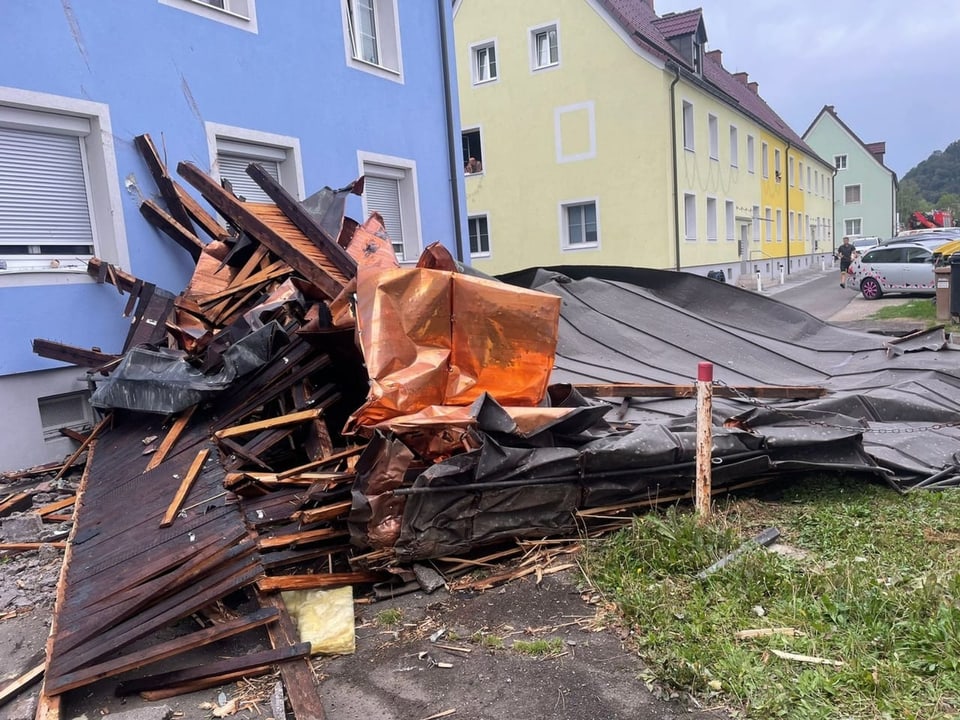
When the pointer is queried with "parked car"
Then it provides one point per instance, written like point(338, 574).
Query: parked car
point(900, 267)
point(861, 244)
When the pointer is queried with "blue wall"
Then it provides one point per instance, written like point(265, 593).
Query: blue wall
point(165, 72)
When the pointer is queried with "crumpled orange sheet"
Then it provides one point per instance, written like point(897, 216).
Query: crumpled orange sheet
point(439, 338)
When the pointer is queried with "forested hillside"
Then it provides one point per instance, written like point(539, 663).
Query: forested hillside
point(933, 184)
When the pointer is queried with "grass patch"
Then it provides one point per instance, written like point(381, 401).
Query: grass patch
point(488, 641)
point(923, 310)
point(879, 591)
point(389, 618)
point(540, 647)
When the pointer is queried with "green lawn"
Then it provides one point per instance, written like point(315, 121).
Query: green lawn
point(878, 592)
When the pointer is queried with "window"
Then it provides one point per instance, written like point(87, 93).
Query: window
point(390, 189)
point(809, 185)
point(690, 216)
point(714, 135)
point(750, 154)
point(711, 219)
point(241, 14)
point(71, 410)
point(580, 223)
point(779, 225)
point(372, 37)
point(734, 147)
point(851, 194)
point(232, 149)
point(851, 226)
point(731, 219)
point(790, 225)
point(688, 125)
point(472, 152)
point(764, 160)
point(59, 196)
point(840, 162)
point(800, 174)
point(544, 47)
point(776, 164)
point(479, 236)
point(768, 226)
point(790, 171)
point(484, 63)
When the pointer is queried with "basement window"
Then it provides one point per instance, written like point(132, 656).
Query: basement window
point(71, 410)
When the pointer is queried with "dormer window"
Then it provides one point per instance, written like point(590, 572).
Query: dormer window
point(697, 57)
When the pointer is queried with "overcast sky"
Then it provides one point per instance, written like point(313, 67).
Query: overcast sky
point(891, 68)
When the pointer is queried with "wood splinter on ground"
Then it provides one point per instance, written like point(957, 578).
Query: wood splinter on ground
point(806, 658)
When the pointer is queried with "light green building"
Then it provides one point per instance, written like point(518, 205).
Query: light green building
point(864, 189)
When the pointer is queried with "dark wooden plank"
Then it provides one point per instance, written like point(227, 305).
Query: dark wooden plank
point(72, 355)
point(170, 439)
point(173, 229)
point(328, 581)
point(97, 268)
point(304, 221)
point(185, 485)
point(298, 677)
point(97, 429)
point(295, 255)
point(154, 308)
point(161, 177)
point(163, 650)
point(200, 216)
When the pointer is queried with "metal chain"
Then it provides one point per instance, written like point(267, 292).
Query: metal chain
point(853, 428)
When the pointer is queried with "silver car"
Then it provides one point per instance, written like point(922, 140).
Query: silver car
point(901, 267)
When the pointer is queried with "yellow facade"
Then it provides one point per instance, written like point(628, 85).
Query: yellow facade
point(593, 127)
point(590, 128)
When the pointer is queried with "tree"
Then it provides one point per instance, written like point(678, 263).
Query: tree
point(909, 200)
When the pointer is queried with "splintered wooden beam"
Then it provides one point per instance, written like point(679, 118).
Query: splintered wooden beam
point(72, 355)
point(200, 216)
point(175, 230)
point(173, 434)
point(307, 536)
point(279, 421)
point(165, 184)
point(15, 686)
point(184, 488)
point(297, 257)
point(327, 512)
point(304, 221)
point(98, 269)
point(231, 665)
point(24, 547)
point(685, 391)
point(84, 445)
point(55, 506)
point(326, 581)
point(17, 501)
point(299, 678)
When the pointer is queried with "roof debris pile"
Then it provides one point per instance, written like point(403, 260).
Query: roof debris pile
point(307, 414)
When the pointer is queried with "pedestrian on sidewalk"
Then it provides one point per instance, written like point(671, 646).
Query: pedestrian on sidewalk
point(845, 255)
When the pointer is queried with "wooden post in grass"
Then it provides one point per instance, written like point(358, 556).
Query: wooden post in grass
point(704, 437)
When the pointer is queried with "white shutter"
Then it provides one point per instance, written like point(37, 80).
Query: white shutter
point(383, 196)
point(44, 208)
point(234, 169)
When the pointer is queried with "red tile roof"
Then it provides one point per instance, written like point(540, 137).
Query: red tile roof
point(651, 32)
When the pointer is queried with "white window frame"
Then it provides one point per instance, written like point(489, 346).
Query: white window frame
point(240, 14)
point(711, 218)
point(689, 126)
point(768, 225)
point(776, 165)
point(840, 162)
point(734, 146)
point(389, 65)
point(85, 419)
point(848, 229)
point(689, 217)
point(532, 35)
point(791, 227)
point(257, 145)
point(565, 243)
point(480, 253)
point(475, 50)
point(90, 121)
point(790, 177)
point(779, 225)
point(846, 191)
point(809, 185)
point(369, 163)
point(751, 154)
point(483, 165)
point(756, 224)
point(713, 136)
point(765, 159)
point(730, 219)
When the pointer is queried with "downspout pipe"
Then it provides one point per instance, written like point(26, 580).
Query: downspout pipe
point(673, 146)
point(833, 211)
point(787, 215)
point(456, 169)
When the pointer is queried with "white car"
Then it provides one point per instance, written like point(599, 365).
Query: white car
point(899, 267)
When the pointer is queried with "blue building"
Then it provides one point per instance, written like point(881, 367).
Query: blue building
point(318, 92)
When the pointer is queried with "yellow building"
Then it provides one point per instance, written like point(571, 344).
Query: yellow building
point(598, 133)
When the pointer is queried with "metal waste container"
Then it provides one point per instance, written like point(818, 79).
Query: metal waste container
point(955, 284)
point(942, 277)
